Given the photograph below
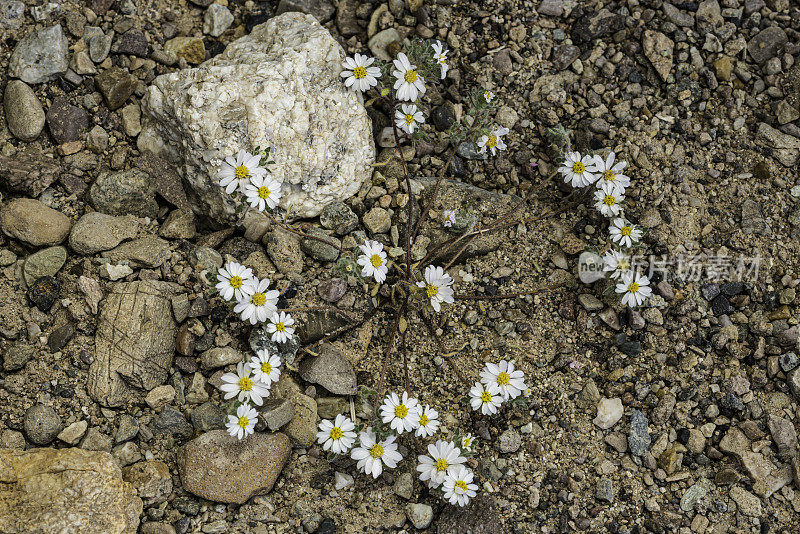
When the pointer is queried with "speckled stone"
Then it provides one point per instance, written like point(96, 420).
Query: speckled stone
point(220, 468)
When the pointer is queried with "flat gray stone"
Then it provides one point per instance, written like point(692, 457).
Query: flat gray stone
point(40, 56)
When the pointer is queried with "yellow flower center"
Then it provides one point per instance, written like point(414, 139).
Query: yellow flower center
point(280, 327)
point(245, 384)
point(336, 433)
point(376, 260)
point(623, 265)
point(423, 420)
point(241, 172)
point(578, 167)
point(410, 76)
point(609, 175)
point(625, 230)
point(236, 282)
point(243, 422)
point(461, 485)
point(488, 96)
point(376, 451)
point(360, 72)
point(431, 290)
point(441, 465)
point(486, 396)
point(633, 288)
point(409, 118)
point(503, 379)
point(263, 192)
point(401, 411)
point(492, 141)
point(266, 368)
point(466, 442)
point(258, 299)
point(609, 200)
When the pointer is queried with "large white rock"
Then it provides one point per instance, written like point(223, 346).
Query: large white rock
point(280, 87)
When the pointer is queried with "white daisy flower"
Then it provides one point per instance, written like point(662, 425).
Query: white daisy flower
point(449, 218)
point(337, 436)
point(244, 386)
point(401, 413)
point(609, 199)
point(372, 455)
point(263, 192)
point(232, 281)
point(488, 96)
point(575, 170)
point(409, 84)
point(493, 141)
point(510, 381)
point(634, 288)
point(467, 443)
point(458, 487)
point(235, 172)
point(616, 262)
point(243, 423)
point(610, 172)
point(373, 261)
point(485, 398)
point(437, 286)
point(260, 304)
point(440, 55)
point(358, 73)
point(428, 422)
point(408, 119)
point(265, 367)
point(280, 326)
point(443, 458)
point(624, 233)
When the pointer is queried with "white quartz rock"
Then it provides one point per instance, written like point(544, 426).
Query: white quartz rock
point(279, 86)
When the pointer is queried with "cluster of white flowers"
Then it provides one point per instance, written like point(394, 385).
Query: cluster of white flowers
point(409, 86)
point(244, 174)
point(443, 466)
point(249, 384)
point(255, 302)
point(608, 176)
point(499, 383)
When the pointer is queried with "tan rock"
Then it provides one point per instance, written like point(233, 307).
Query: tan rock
point(66, 490)
point(220, 468)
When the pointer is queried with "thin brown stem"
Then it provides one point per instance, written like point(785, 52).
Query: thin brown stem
point(445, 354)
point(318, 308)
point(389, 347)
point(429, 205)
point(507, 295)
point(303, 234)
point(409, 201)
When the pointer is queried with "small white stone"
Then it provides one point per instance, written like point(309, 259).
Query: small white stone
point(217, 19)
point(342, 480)
point(609, 412)
point(590, 267)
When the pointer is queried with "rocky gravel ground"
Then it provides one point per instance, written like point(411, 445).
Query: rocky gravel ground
point(678, 417)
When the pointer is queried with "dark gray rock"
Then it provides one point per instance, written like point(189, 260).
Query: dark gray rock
point(16, 356)
point(480, 516)
point(319, 250)
point(605, 490)
point(208, 416)
point(639, 438)
point(42, 424)
point(767, 44)
point(172, 422)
